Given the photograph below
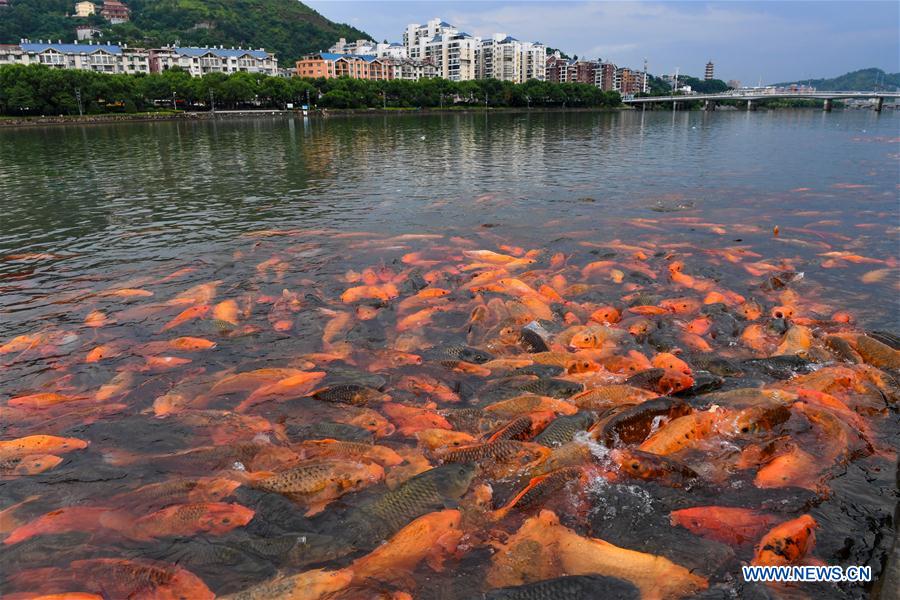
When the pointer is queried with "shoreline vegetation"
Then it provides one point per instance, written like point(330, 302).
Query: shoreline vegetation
point(40, 95)
point(37, 90)
point(195, 116)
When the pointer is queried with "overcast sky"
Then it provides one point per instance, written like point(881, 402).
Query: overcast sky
point(772, 41)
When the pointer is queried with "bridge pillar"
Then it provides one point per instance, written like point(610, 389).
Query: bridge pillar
point(879, 104)
point(827, 105)
point(709, 105)
point(750, 105)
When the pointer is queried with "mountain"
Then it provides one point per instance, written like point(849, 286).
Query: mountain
point(863, 80)
point(287, 27)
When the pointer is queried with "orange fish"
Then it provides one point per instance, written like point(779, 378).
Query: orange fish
point(182, 520)
point(665, 360)
point(681, 306)
point(128, 293)
point(732, 526)
point(33, 464)
point(787, 543)
point(431, 537)
point(191, 344)
point(69, 519)
point(793, 468)
point(418, 319)
point(188, 314)
point(606, 315)
point(681, 433)
point(294, 386)
point(118, 578)
point(382, 455)
point(410, 419)
point(102, 352)
point(226, 312)
point(96, 319)
point(44, 400)
point(40, 444)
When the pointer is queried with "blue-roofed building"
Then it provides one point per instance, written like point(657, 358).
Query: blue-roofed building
point(201, 61)
point(102, 58)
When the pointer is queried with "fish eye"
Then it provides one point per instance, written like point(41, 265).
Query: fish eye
point(226, 520)
point(635, 466)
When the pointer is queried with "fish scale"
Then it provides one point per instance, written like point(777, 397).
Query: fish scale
point(563, 429)
point(426, 492)
point(305, 479)
point(573, 587)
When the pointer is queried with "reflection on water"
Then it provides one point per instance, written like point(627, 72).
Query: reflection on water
point(196, 306)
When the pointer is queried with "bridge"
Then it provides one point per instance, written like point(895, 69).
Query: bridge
point(752, 97)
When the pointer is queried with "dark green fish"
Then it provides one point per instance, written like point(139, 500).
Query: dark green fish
point(779, 367)
point(716, 365)
point(472, 420)
point(633, 424)
point(574, 587)
point(563, 429)
point(549, 386)
point(464, 353)
point(432, 490)
point(298, 550)
point(348, 393)
point(887, 338)
point(328, 429)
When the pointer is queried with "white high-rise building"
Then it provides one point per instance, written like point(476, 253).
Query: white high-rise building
point(459, 56)
point(454, 55)
point(417, 36)
point(534, 61)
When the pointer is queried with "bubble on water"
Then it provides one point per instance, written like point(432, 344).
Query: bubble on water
point(238, 466)
point(262, 438)
point(599, 451)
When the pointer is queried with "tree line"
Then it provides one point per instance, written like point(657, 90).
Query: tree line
point(39, 90)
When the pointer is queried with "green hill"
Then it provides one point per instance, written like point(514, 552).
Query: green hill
point(863, 80)
point(287, 27)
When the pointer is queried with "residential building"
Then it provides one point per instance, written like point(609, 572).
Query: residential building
point(87, 32)
point(533, 61)
point(734, 84)
point(115, 12)
point(200, 61)
point(85, 9)
point(103, 58)
point(413, 70)
point(4, 3)
point(454, 55)
point(391, 50)
point(357, 47)
point(629, 81)
point(417, 36)
point(500, 57)
point(709, 71)
point(563, 70)
point(605, 76)
point(367, 66)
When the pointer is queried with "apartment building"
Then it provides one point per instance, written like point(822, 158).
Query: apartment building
point(200, 61)
point(103, 58)
point(628, 81)
point(454, 55)
point(329, 64)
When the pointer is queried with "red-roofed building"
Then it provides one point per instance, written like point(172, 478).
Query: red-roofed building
point(115, 12)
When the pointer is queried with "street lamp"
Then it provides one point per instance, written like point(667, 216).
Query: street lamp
point(78, 99)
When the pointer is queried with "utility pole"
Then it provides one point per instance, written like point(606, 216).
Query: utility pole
point(78, 99)
point(174, 104)
point(212, 101)
point(442, 100)
point(383, 100)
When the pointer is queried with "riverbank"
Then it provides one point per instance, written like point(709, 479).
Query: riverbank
point(43, 121)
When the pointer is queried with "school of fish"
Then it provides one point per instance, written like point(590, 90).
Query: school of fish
point(453, 404)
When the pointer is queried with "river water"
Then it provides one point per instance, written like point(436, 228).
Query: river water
point(283, 215)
